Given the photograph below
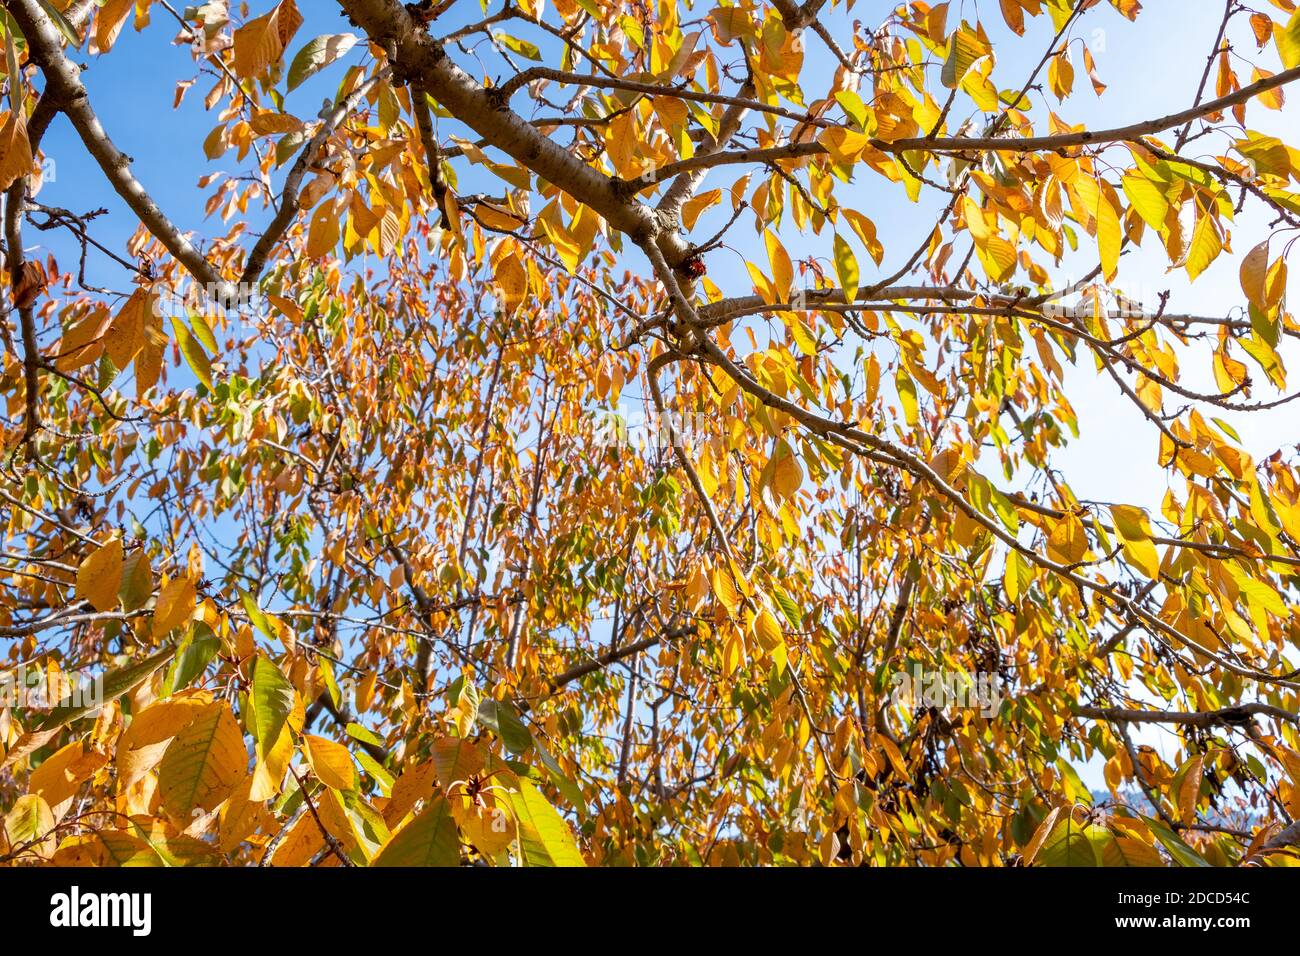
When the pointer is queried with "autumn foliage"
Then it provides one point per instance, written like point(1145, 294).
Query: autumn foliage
point(323, 546)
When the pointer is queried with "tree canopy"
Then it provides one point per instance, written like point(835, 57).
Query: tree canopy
point(546, 452)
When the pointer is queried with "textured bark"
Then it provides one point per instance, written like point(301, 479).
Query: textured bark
point(64, 87)
point(416, 55)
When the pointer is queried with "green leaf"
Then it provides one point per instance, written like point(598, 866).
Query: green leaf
point(287, 147)
point(964, 48)
point(429, 839)
point(256, 616)
point(192, 657)
point(317, 55)
point(853, 107)
point(61, 22)
point(137, 581)
point(907, 395)
point(372, 767)
point(115, 685)
point(562, 783)
point(1147, 198)
point(1068, 845)
point(11, 66)
point(501, 718)
point(29, 820)
point(544, 837)
point(1267, 359)
point(195, 357)
point(272, 702)
point(788, 608)
point(846, 269)
point(363, 734)
point(1006, 510)
point(522, 47)
point(1183, 854)
point(1288, 42)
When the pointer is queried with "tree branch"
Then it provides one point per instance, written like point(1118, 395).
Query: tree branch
point(63, 84)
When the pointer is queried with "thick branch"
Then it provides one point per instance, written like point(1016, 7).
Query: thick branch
point(417, 55)
point(1240, 714)
point(63, 84)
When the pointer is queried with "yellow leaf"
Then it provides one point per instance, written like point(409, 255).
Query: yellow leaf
point(203, 764)
point(175, 605)
point(512, 279)
point(1189, 788)
point(261, 42)
point(1011, 577)
point(1288, 41)
point(109, 22)
point(782, 270)
point(1126, 851)
point(787, 476)
point(965, 47)
point(125, 337)
point(60, 774)
point(1109, 234)
point(323, 234)
point(239, 818)
point(1040, 836)
point(1134, 531)
point(544, 838)
point(766, 290)
point(725, 589)
point(768, 630)
point(331, 763)
point(271, 766)
point(694, 207)
point(1254, 276)
point(1146, 197)
point(29, 819)
point(15, 150)
point(100, 575)
point(1207, 243)
point(907, 395)
point(195, 357)
point(1060, 75)
point(1067, 542)
point(621, 142)
point(415, 783)
point(846, 268)
point(490, 829)
point(83, 342)
point(866, 230)
point(145, 740)
point(300, 844)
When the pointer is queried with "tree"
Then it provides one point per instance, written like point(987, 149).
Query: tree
point(326, 537)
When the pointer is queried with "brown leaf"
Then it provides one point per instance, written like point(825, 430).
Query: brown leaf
point(261, 42)
point(15, 150)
